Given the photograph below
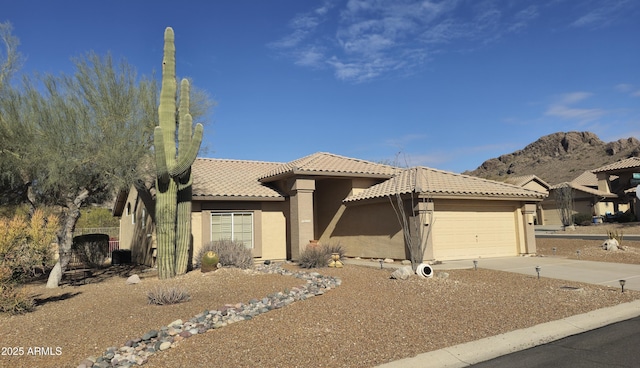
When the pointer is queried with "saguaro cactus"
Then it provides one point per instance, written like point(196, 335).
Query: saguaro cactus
point(173, 168)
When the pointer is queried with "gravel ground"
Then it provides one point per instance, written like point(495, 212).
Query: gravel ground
point(367, 321)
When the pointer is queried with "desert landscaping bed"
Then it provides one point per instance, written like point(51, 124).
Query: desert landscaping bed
point(368, 320)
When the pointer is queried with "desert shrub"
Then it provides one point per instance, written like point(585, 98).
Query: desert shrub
point(583, 219)
point(319, 255)
point(25, 247)
point(14, 300)
point(163, 295)
point(231, 253)
point(92, 249)
point(25, 244)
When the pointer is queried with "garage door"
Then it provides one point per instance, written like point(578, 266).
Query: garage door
point(474, 231)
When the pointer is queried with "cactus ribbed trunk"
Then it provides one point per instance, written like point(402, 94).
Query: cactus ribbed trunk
point(173, 166)
point(183, 228)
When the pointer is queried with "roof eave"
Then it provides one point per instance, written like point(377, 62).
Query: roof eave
point(210, 198)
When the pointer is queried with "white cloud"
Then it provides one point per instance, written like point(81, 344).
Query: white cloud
point(628, 88)
point(562, 108)
point(602, 13)
point(364, 39)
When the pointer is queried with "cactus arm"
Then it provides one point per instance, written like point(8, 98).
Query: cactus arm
point(167, 108)
point(191, 152)
point(162, 170)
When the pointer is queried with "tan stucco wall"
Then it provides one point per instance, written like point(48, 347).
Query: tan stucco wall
point(369, 231)
point(274, 232)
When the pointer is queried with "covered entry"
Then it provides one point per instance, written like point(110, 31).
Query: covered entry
point(474, 229)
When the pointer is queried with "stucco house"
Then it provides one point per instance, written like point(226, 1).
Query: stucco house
point(600, 192)
point(276, 209)
point(532, 182)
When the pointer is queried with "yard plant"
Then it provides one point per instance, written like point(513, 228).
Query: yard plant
point(173, 168)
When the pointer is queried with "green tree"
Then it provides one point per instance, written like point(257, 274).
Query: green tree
point(76, 139)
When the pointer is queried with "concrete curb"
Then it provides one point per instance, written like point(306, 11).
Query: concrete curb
point(464, 355)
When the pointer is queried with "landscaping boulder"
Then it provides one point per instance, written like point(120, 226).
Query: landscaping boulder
point(610, 244)
point(133, 279)
point(402, 273)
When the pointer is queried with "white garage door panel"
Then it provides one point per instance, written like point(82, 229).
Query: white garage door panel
point(460, 233)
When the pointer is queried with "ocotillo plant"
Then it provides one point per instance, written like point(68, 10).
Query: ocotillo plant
point(173, 168)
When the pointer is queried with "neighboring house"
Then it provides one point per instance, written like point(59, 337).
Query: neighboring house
point(600, 192)
point(532, 182)
point(276, 209)
point(621, 178)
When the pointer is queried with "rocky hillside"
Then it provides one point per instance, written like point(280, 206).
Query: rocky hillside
point(558, 157)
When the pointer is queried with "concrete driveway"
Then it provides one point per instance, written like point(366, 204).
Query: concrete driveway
point(600, 273)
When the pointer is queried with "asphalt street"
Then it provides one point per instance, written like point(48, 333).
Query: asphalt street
point(615, 345)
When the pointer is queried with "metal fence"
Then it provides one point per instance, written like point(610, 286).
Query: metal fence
point(113, 245)
point(113, 232)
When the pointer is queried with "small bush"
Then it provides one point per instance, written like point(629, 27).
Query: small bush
point(167, 295)
point(231, 253)
point(14, 300)
point(319, 255)
point(583, 219)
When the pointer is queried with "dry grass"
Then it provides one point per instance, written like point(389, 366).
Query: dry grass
point(367, 321)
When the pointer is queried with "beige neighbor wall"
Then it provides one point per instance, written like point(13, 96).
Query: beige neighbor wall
point(137, 230)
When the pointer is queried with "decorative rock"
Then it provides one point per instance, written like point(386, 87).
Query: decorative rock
point(406, 262)
point(149, 335)
point(388, 260)
point(133, 279)
point(402, 273)
point(136, 351)
point(85, 364)
point(442, 275)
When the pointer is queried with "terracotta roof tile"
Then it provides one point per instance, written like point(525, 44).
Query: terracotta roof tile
point(525, 179)
point(437, 183)
point(584, 188)
point(232, 178)
point(323, 163)
point(587, 178)
point(628, 163)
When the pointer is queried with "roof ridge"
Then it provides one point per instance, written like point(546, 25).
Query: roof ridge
point(237, 160)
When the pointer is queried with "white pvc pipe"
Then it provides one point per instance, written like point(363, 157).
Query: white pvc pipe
point(424, 270)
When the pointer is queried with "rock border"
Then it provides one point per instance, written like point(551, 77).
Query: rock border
point(137, 351)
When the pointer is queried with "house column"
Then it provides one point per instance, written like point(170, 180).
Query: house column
point(529, 246)
point(423, 213)
point(301, 211)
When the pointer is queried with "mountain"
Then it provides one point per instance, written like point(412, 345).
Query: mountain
point(558, 157)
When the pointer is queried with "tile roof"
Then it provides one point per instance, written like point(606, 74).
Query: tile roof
point(629, 163)
point(585, 188)
point(328, 164)
point(525, 179)
point(587, 178)
point(441, 184)
point(235, 179)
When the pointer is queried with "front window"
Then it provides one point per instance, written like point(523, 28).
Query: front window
point(237, 226)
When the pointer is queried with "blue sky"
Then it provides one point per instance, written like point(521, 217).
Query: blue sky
point(448, 84)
